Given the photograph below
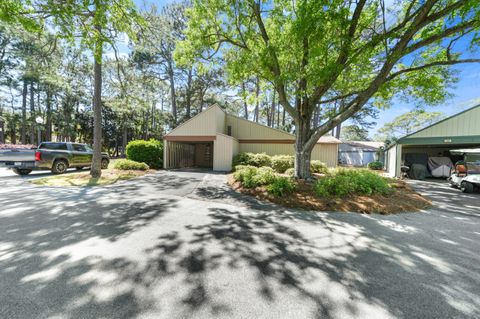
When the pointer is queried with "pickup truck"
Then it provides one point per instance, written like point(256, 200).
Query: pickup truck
point(54, 156)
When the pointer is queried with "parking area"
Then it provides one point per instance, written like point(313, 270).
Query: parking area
point(446, 198)
point(181, 244)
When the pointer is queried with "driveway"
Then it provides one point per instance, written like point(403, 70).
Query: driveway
point(182, 245)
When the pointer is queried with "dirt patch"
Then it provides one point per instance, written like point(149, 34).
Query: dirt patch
point(402, 199)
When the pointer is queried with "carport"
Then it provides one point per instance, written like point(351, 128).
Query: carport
point(458, 131)
point(189, 151)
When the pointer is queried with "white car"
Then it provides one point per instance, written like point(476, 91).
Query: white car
point(466, 175)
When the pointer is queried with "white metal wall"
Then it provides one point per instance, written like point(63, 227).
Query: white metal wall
point(394, 160)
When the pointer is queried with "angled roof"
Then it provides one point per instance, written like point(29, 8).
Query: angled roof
point(216, 113)
point(366, 144)
point(462, 123)
point(328, 139)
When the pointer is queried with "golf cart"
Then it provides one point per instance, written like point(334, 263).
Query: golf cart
point(466, 174)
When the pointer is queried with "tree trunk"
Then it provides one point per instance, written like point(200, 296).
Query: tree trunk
point(188, 94)
point(257, 105)
point(48, 122)
point(124, 136)
point(23, 131)
point(96, 170)
point(245, 106)
point(2, 130)
point(272, 121)
point(13, 132)
point(32, 114)
point(338, 130)
point(172, 92)
point(303, 148)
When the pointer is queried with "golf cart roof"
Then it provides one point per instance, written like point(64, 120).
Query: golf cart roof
point(471, 151)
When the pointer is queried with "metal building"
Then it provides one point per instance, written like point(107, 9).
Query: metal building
point(212, 138)
point(360, 153)
point(458, 131)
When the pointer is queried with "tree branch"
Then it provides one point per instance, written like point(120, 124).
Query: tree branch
point(429, 65)
point(275, 68)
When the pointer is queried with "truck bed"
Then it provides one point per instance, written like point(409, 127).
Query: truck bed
point(17, 155)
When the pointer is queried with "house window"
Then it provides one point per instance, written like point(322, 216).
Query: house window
point(229, 130)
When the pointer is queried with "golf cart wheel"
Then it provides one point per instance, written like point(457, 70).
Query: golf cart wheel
point(22, 171)
point(59, 167)
point(466, 187)
point(104, 164)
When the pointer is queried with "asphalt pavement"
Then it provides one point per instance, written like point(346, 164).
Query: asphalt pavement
point(181, 244)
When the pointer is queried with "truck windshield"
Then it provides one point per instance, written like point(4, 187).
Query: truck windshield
point(473, 163)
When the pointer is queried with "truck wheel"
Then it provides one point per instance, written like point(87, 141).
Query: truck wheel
point(466, 187)
point(22, 171)
point(104, 164)
point(59, 167)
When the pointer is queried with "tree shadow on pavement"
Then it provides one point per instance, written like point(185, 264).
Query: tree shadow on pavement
point(125, 250)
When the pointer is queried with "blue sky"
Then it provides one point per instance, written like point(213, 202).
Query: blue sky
point(466, 92)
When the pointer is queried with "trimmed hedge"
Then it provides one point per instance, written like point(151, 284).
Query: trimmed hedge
point(125, 164)
point(252, 177)
point(149, 152)
point(252, 159)
point(280, 163)
point(377, 165)
point(344, 182)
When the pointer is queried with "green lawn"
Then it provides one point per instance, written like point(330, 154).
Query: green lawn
point(83, 178)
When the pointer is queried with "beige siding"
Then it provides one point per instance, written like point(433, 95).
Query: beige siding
point(243, 129)
point(327, 153)
point(224, 148)
point(207, 123)
point(463, 124)
point(220, 117)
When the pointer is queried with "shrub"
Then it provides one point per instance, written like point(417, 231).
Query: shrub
point(318, 167)
point(125, 164)
point(253, 159)
point(281, 186)
point(240, 167)
point(242, 170)
point(377, 165)
point(290, 172)
point(281, 163)
point(252, 177)
point(345, 182)
point(148, 152)
point(264, 176)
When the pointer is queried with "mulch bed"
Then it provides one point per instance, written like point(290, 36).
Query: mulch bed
point(402, 199)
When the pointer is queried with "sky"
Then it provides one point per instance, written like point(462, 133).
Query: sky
point(465, 94)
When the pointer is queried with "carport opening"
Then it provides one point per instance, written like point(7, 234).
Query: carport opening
point(190, 155)
point(413, 153)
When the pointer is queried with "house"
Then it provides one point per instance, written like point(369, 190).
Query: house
point(212, 138)
point(359, 153)
point(461, 130)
